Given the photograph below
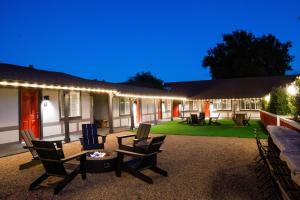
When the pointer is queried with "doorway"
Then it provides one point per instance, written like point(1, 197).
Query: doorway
point(30, 111)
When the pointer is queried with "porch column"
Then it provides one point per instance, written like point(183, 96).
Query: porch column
point(66, 103)
point(155, 117)
point(171, 110)
point(131, 114)
point(110, 113)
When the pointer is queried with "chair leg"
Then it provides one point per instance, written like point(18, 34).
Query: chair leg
point(159, 171)
point(139, 175)
point(119, 164)
point(83, 166)
point(29, 164)
point(64, 182)
point(38, 181)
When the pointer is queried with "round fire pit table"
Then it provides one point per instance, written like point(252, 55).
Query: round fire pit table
point(100, 161)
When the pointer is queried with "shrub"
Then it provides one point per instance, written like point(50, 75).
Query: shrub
point(279, 103)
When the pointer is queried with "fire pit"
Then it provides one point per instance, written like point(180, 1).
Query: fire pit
point(100, 161)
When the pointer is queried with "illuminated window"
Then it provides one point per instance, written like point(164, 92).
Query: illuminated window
point(124, 106)
point(250, 104)
point(75, 104)
point(224, 104)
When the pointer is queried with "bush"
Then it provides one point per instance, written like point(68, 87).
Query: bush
point(279, 103)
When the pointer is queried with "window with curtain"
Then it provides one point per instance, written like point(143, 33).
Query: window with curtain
point(222, 104)
point(75, 104)
point(124, 106)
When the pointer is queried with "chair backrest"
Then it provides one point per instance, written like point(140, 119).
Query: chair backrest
point(28, 138)
point(143, 131)
point(50, 157)
point(194, 118)
point(155, 144)
point(89, 134)
point(201, 115)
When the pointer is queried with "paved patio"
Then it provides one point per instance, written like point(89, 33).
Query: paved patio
point(199, 168)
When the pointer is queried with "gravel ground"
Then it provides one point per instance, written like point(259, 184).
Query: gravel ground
point(199, 168)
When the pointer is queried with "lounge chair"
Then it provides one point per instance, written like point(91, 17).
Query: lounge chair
point(54, 165)
point(214, 120)
point(89, 138)
point(28, 137)
point(144, 160)
point(246, 120)
point(140, 138)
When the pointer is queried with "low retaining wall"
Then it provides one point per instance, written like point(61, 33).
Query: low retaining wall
point(272, 119)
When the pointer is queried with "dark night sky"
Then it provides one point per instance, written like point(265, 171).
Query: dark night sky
point(113, 40)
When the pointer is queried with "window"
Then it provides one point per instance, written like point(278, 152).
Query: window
point(75, 104)
point(186, 105)
point(195, 105)
point(224, 104)
point(168, 105)
point(124, 106)
point(250, 104)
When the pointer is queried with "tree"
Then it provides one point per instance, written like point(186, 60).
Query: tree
point(279, 101)
point(146, 79)
point(241, 54)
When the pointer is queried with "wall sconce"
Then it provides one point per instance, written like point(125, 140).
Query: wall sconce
point(45, 100)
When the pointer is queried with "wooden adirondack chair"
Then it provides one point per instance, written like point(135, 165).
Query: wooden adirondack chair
point(139, 139)
point(56, 166)
point(89, 138)
point(194, 119)
point(28, 137)
point(144, 160)
point(214, 120)
point(202, 118)
point(246, 121)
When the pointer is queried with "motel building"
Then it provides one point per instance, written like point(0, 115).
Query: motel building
point(54, 104)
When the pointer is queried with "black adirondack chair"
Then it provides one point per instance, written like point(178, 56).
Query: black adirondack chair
point(139, 139)
point(147, 159)
point(202, 118)
point(89, 138)
point(56, 166)
point(28, 137)
point(214, 120)
point(194, 119)
point(246, 121)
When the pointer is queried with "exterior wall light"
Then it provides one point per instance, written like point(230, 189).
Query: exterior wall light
point(292, 90)
point(267, 98)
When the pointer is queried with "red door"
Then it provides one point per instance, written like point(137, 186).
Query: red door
point(138, 111)
point(30, 111)
point(159, 108)
point(206, 108)
point(175, 109)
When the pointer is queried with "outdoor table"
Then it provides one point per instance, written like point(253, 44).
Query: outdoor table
point(292, 160)
point(283, 137)
point(239, 118)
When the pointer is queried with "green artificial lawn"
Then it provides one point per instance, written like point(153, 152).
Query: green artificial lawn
point(226, 128)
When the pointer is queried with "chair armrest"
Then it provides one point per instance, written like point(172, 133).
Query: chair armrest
point(73, 156)
point(28, 147)
point(135, 154)
point(135, 140)
point(124, 136)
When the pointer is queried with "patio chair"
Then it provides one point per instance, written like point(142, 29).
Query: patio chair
point(246, 120)
point(89, 138)
point(140, 138)
point(54, 165)
point(145, 160)
point(194, 119)
point(28, 137)
point(202, 117)
point(214, 120)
